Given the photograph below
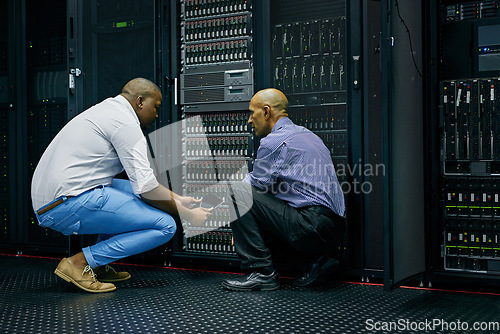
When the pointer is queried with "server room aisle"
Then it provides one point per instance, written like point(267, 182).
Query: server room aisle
point(161, 300)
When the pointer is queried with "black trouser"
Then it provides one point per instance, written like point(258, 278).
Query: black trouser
point(262, 217)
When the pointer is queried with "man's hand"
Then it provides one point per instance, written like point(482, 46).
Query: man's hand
point(188, 202)
point(198, 216)
point(185, 207)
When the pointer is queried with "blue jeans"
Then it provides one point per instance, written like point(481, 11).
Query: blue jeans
point(126, 224)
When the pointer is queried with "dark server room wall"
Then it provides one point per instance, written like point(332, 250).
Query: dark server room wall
point(469, 110)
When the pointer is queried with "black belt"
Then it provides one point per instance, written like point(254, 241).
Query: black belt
point(51, 206)
point(322, 210)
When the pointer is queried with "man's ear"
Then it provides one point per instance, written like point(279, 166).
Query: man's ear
point(267, 111)
point(139, 101)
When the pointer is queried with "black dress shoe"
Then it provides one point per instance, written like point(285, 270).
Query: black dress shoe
point(318, 272)
point(253, 281)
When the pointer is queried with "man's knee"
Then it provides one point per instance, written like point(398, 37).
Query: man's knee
point(240, 199)
point(166, 224)
point(241, 193)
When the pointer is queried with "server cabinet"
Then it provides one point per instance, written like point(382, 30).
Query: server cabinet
point(311, 55)
point(465, 97)
point(46, 110)
point(114, 42)
point(215, 84)
point(118, 42)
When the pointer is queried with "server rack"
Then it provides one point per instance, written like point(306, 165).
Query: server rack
point(46, 112)
point(467, 95)
point(216, 83)
point(309, 64)
point(309, 61)
point(371, 236)
point(118, 39)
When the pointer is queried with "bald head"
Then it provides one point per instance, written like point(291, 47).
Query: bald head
point(268, 106)
point(145, 98)
point(273, 98)
point(140, 87)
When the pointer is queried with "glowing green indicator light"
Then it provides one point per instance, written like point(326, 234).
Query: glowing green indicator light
point(121, 24)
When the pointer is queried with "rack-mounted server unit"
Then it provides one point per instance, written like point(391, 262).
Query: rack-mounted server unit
point(469, 123)
point(308, 66)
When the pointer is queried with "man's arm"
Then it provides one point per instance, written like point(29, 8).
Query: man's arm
point(131, 147)
point(168, 201)
point(267, 167)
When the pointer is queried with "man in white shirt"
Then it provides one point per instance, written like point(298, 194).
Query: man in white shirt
point(73, 190)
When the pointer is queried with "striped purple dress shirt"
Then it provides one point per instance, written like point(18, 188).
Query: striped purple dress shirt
point(295, 165)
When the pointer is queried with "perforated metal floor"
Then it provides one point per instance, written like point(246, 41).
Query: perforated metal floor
point(159, 300)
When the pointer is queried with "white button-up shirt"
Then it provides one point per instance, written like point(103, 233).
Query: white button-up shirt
point(90, 150)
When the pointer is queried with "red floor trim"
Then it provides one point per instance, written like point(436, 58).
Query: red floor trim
point(445, 290)
point(228, 272)
point(31, 256)
point(125, 264)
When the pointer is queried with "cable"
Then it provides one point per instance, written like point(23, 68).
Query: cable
point(409, 38)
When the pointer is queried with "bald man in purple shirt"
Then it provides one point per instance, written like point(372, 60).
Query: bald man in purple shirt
point(292, 196)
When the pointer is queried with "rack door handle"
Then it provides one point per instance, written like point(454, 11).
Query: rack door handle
point(356, 70)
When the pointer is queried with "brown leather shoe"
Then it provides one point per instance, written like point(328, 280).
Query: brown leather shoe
point(108, 274)
point(84, 278)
